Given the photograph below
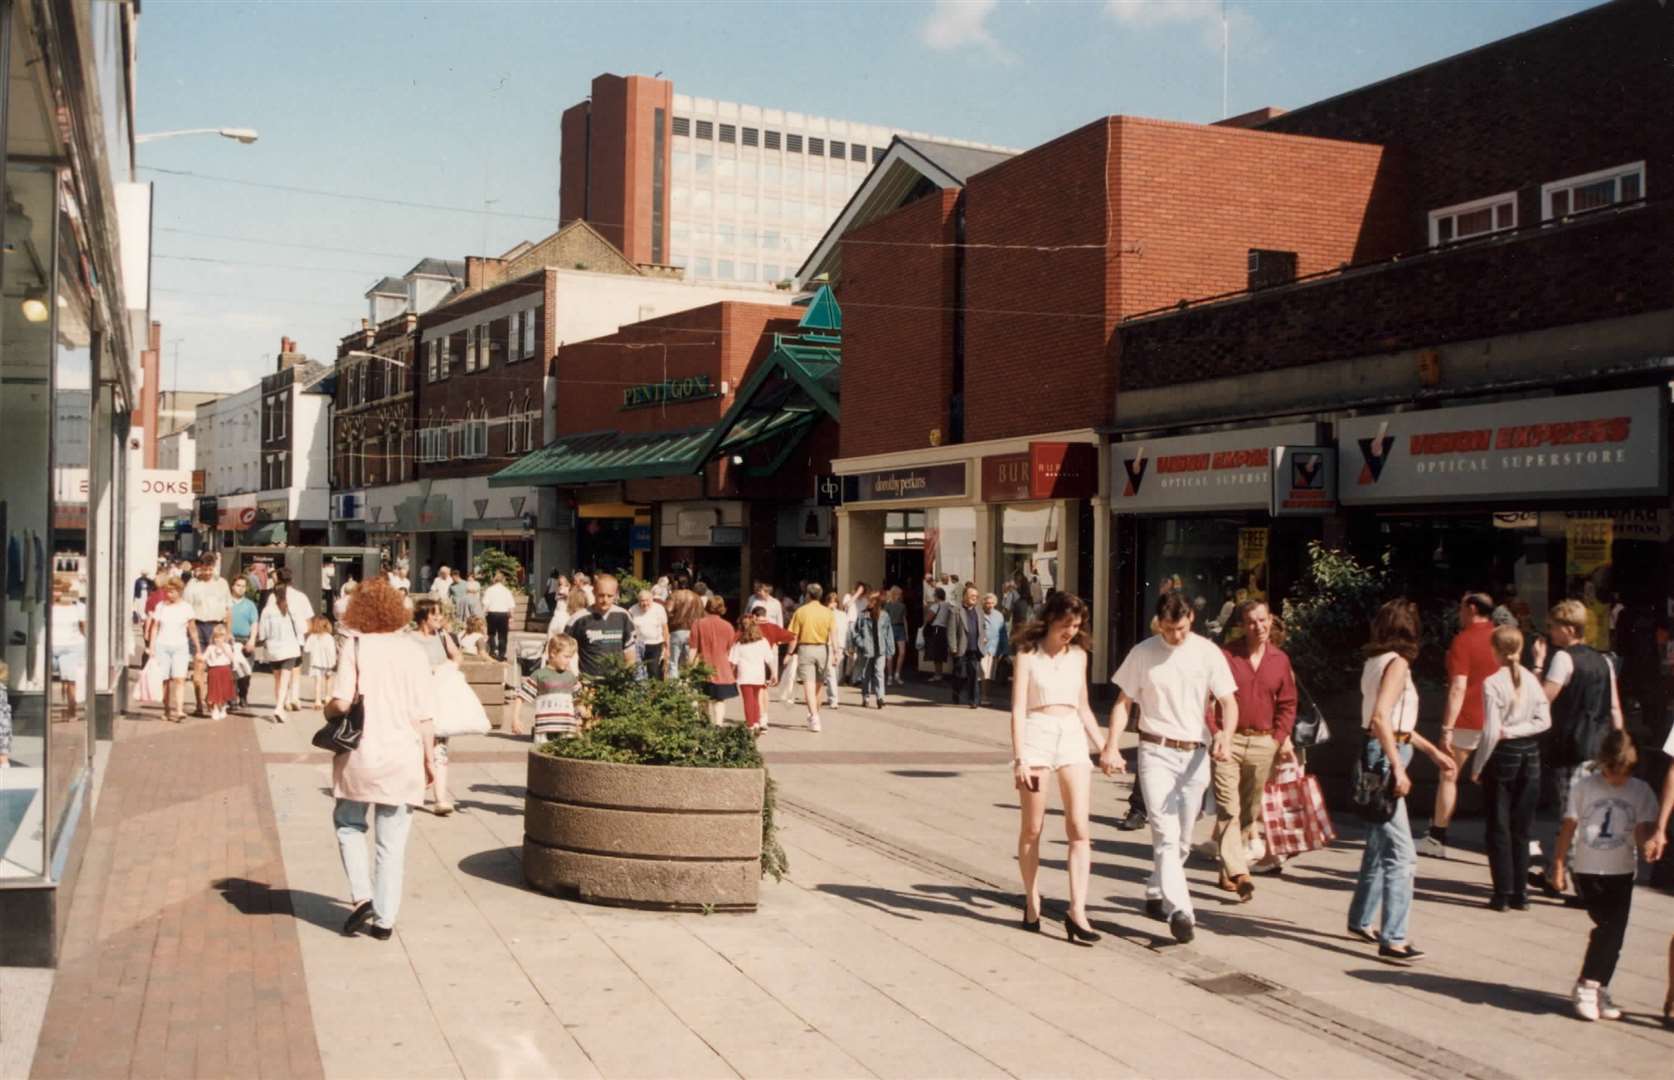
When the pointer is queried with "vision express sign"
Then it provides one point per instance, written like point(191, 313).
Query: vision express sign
point(1585, 446)
point(1224, 470)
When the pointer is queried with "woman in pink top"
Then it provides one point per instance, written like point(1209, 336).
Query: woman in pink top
point(712, 639)
point(385, 772)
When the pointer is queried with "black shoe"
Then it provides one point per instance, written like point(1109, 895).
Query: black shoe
point(1078, 936)
point(1180, 925)
point(1032, 926)
point(1371, 937)
point(1131, 821)
point(1499, 902)
point(1406, 954)
point(357, 918)
point(382, 933)
point(972, 705)
point(1154, 910)
point(1519, 903)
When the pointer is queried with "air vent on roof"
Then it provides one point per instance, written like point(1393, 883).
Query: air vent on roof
point(816, 147)
point(793, 144)
point(1269, 268)
point(857, 152)
point(772, 140)
point(682, 125)
point(750, 137)
point(729, 133)
point(837, 150)
point(706, 130)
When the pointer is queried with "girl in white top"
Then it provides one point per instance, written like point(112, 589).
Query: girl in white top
point(1052, 727)
point(755, 665)
point(1514, 716)
point(172, 647)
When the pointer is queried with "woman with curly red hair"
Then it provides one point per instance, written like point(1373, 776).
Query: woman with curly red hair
point(384, 774)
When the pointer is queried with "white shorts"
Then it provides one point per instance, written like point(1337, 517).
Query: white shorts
point(1466, 739)
point(1054, 742)
point(175, 661)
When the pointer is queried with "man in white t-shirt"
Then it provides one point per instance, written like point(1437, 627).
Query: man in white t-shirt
point(497, 605)
point(651, 629)
point(1173, 678)
point(775, 612)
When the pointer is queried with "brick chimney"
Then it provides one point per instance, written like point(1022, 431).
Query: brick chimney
point(482, 272)
point(288, 355)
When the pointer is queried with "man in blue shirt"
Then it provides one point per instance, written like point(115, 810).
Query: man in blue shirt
point(244, 617)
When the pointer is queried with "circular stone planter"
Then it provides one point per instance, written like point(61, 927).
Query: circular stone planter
point(658, 836)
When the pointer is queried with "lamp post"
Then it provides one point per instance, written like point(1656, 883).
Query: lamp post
point(242, 135)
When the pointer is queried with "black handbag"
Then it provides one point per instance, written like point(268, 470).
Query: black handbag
point(342, 734)
point(1372, 791)
point(1310, 729)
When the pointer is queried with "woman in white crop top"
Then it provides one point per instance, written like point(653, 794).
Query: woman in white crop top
point(1052, 727)
point(1389, 711)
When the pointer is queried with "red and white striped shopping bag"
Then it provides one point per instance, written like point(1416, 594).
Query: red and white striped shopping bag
point(1294, 814)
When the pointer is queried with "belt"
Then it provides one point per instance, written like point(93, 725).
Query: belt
point(1172, 744)
point(1403, 737)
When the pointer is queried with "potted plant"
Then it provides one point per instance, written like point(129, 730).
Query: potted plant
point(651, 805)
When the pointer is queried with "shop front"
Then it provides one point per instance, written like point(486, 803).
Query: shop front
point(978, 513)
point(1532, 501)
point(1196, 516)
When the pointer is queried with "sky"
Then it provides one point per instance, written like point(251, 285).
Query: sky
point(428, 114)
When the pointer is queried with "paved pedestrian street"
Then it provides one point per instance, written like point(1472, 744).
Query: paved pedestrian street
point(204, 940)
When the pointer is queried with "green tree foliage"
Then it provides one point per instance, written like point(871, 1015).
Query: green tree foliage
point(1328, 616)
point(491, 561)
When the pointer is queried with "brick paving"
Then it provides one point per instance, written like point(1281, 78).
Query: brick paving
point(181, 954)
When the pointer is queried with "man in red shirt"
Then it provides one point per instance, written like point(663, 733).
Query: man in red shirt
point(1470, 661)
point(1266, 713)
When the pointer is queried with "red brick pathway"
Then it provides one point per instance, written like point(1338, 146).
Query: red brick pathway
point(181, 956)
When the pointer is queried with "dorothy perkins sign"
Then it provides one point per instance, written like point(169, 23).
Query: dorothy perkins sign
point(925, 482)
point(1582, 446)
point(690, 388)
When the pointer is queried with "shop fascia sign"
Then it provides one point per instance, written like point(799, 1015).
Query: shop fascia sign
point(152, 486)
point(896, 485)
point(1588, 446)
point(1222, 470)
point(1304, 481)
point(669, 391)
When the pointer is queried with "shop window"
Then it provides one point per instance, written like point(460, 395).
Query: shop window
point(1593, 191)
point(1472, 219)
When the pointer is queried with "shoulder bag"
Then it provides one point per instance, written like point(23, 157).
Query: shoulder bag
point(341, 735)
point(1372, 791)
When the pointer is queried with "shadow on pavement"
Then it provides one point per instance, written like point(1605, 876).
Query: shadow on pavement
point(1469, 991)
point(510, 791)
point(934, 900)
point(925, 774)
point(260, 898)
point(491, 807)
point(502, 866)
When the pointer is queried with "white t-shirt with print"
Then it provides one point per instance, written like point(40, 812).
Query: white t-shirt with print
point(1606, 815)
point(1173, 685)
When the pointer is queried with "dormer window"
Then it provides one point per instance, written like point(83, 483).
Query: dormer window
point(1592, 191)
point(1468, 220)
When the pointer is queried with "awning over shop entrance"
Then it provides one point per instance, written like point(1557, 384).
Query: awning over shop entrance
point(599, 456)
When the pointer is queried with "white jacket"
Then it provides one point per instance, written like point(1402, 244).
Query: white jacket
point(1510, 712)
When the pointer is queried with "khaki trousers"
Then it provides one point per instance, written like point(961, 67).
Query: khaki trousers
point(1238, 785)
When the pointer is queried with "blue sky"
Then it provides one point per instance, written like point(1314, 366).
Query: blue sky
point(452, 104)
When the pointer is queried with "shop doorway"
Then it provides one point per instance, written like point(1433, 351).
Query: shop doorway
point(605, 544)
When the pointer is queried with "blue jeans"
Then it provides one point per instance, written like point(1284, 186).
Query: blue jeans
point(873, 677)
point(679, 651)
point(381, 882)
point(1388, 864)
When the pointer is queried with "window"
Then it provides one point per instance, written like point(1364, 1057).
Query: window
point(793, 144)
point(470, 348)
point(723, 269)
point(1268, 268)
point(751, 136)
point(816, 147)
point(705, 129)
point(474, 438)
point(433, 361)
point(1472, 219)
point(703, 165)
point(496, 342)
point(877, 154)
point(772, 139)
point(1594, 191)
point(769, 272)
point(530, 322)
point(837, 149)
point(700, 267)
point(857, 153)
point(682, 125)
point(514, 336)
point(729, 133)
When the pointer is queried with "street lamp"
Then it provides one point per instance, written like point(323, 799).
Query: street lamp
point(243, 135)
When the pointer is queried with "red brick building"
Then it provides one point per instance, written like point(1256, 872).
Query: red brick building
point(695, 439)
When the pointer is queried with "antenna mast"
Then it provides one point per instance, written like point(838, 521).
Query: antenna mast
point(1225, 48)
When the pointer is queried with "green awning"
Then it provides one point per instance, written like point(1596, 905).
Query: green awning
point(600, 456)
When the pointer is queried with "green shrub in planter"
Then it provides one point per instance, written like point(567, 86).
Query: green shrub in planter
point(491, 561)
point(665, 722)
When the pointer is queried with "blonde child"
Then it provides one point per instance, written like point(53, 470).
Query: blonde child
point(320, 649)
point(755, 660)
point(551, 689)
point(218, 657)
point(5, 717)
point(1610, 815)
point(476, 632)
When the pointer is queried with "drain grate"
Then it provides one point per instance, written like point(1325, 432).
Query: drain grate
point(1238, 984)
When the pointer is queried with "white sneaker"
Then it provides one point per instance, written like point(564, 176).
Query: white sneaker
point(763, 724)
point(1432, 847)
point(1585, 1001)
point(814, 726)
point(1607, 1009)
